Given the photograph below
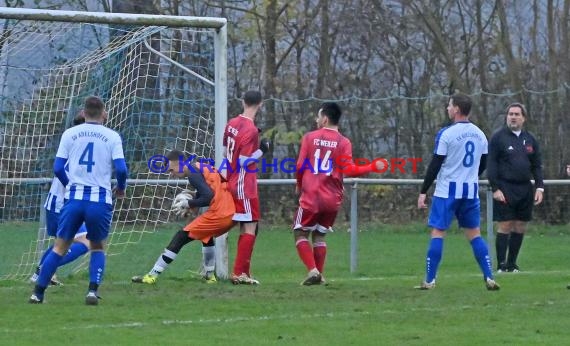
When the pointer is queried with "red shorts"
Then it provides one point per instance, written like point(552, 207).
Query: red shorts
point(208, 225)
point(309, 221)
point(247, 210)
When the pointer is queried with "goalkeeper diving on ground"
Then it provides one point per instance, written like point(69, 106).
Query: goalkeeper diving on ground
point(211, 192)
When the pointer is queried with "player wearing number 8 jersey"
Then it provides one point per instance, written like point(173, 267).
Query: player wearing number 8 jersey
point(90, 150)
point(459, 158)
point(324, 159)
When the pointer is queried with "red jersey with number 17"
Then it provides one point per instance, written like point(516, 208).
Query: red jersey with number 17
point(319, 179)
point(241, 138)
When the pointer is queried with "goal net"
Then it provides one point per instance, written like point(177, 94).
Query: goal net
point(163, 81)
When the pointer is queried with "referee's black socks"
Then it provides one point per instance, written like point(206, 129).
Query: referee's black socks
point(501, 245)
point(515, 243)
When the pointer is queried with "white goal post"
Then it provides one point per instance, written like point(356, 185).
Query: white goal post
point(156, 73)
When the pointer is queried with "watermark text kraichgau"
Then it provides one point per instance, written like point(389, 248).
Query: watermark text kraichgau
point(343, 164)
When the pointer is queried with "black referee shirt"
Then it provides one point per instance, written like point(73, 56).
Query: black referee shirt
point(514, 159)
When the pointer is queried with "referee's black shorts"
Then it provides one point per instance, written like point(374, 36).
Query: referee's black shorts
point(520, 200)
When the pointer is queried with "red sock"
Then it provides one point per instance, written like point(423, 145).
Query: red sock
point(249, 241)
point(320, 253)
point(305, 253)
point(245, 249)
point(238, 268)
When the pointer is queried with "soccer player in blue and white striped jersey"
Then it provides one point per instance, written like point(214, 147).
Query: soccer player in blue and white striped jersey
point(90, 150)
point(52, 206)
point(459, 158)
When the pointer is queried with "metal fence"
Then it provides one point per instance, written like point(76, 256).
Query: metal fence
point(352, 206)
point(367, 201)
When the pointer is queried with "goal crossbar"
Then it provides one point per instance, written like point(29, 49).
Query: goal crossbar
point(127, 94)
point(111, 18)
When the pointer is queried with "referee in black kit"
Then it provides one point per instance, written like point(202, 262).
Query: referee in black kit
point(513, 160)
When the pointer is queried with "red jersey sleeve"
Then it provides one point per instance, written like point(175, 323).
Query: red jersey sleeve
point(346, 163)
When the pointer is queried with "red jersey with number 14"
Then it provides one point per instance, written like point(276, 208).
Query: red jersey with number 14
point(241, 138)
point(320, 182)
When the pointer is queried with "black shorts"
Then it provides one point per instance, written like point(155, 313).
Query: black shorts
point(520, 200)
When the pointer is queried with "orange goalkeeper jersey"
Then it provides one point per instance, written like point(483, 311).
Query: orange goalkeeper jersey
point(222, 205)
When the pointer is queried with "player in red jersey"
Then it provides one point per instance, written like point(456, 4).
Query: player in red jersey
point(324, 159)
point(243, 148)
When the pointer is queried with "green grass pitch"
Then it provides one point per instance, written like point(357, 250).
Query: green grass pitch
point(375, 306)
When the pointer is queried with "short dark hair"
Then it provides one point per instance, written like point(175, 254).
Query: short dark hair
point(174, 155)
point(78, 120)
point(463, 102)
point(520, 105)
point(252, 98)
point(332, 111)
point(93, 108)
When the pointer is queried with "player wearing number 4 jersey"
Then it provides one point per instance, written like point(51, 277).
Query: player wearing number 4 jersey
point(324, 158)
point(53, 205)
point(90, 150)
point(459, 158)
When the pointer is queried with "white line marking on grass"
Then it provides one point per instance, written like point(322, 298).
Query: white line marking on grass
point(215, 320)
point(265, 318)
point(238, 319)
point(113, 325)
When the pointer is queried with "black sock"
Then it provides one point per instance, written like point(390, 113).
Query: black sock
point(93, 286)
point(501, 244)
point(167, 259)
point(39, 290)
point(515, 243)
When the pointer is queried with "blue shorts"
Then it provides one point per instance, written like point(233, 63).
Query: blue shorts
point(81, 231)
point(52, 222)
point(97, 217)
point(467, 211)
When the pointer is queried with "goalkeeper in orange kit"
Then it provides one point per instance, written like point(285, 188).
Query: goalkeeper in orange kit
point(211, 192)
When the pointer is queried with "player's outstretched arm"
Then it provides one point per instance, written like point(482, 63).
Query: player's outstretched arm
point(353, 170)
point(264, 146)
point(345, 164)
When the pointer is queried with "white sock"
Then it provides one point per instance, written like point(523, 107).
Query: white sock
point(162, 262)
point(209, 258)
